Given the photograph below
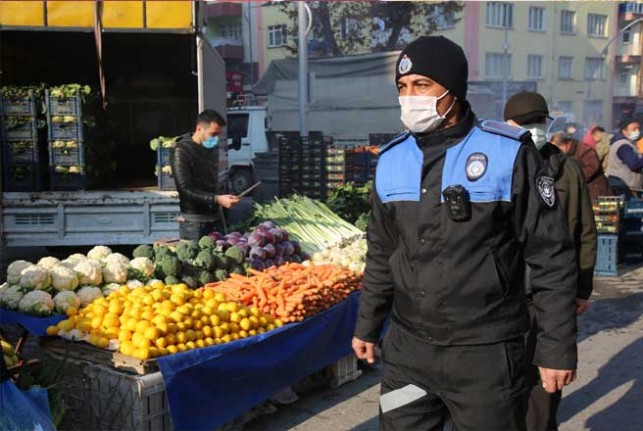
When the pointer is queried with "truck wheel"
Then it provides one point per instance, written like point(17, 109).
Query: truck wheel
point(242, 178)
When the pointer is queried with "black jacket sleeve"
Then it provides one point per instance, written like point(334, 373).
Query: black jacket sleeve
point(550, 254)
point(186, 185)
point(376, 298)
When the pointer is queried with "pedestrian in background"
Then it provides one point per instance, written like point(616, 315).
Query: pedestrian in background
point(587, 157)
point(625, 163)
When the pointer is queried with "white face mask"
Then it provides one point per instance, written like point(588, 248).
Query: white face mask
point(633, 135)
point(538, 134)
point(420, 113)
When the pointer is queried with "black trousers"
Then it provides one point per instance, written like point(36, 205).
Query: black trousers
point(195, 230)
point(542, 406)
point(481, 387)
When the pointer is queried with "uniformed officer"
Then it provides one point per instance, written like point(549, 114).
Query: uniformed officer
point(459, 208)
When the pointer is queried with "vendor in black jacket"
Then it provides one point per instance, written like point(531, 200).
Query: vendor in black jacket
point(459, 208)
point(195, 166)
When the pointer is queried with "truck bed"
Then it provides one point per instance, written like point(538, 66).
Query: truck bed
point(132, 216)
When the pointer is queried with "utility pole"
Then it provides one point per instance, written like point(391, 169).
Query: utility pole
point(303, 12)
point(505, 66)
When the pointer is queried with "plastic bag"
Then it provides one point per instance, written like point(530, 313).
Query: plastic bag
point(24, 410)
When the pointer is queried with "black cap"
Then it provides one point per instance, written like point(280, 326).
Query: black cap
point(437, 58)
point(526, 107)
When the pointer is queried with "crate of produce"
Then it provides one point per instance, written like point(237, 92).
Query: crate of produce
point(166, 181)
point(606, 256)
point(19, 129)
point(68, 179)
point(163, 155)
point(98, 397)
point(72, 154)
point(21, 152)
point(608, 204)
point(343, 371)
point(23, 177)
point(66, 131)
point(65, 105)
point(634, 208)
point(22, 106)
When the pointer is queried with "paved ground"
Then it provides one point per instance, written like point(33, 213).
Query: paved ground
point(607, 396)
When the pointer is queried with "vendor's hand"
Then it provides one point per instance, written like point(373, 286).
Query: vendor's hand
point(555, 380)
point(364, 350)
point(582, 305)
point(227, 201)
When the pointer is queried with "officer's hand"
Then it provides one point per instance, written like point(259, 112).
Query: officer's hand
point(582, 305)
point(364, 350)
point(555, 380)
point(227, 201)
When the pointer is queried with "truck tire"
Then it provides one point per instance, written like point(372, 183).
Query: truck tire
point(241, 179)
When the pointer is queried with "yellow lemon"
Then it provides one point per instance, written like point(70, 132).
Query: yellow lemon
point(208, 293)
point(176, 316)
point(71, 311)
point(255, 311)
point(84, 325)
point(52, 330)
point(131, 324)
point(160, 342)
point(181, 337)
point(172, 328)
point(100, 310)
point(168, 305)
point(103, 342)
point(245, 324)
point(263, 321)
point(142, 353)
point(244, 312)
point(255, 321)
point(234, 336)
point(224, 315)
point(217, 332)
point(232, 307)
point(218, 341)
point(181, 326)
point(220, 297)
point(261, 331)
point(112, 332)
point(190, 335)
point(207, 331)
point(172, 349)
point(212, 303)
point(181, 347)
point(234, 317)
point(124, 335)
point(154, 352)
point(157, 284)
point(137, 338)
point(170, 338)
point(189, 322)
point(215, 320)
point(200, 343)
point(243, 334)
point(111, 320)
point(142, 325)
point(97, 322)
point(279, 323)
point(252, 332)
point(197, 293)
point(115, 307)
point(209, 341)
point(163, 351)
point(152, 333)
point(126, 348)
point(270, 327)
point(178, 299)
point(225, 327)
point(234, 327)
point(148, 314)
point(163, 328)
point(143, 343)
point(159, 319)
point(190, 345)
point(198, 325)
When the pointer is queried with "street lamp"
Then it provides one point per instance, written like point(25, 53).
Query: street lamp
point(305, 21)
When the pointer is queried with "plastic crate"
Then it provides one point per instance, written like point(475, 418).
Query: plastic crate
point(66, 131)
point(67, 181)
point(64, 105)
point(634, 208)
point(606, 256)
point(166, 181)
point(23, 177)
point(343, 371)
point(163, 156)
point(26, 106)
point(24, 132)
point(21, 152)
point(67, 156)
point(99, 397)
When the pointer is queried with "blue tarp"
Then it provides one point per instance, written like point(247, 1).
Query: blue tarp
point(208, 387)
point(24, 410)
point(35, 325)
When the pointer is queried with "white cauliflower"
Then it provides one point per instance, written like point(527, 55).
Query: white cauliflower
point(10, 296)
point(64, 300)
point(133, 284)
point(141, 268)
point(63, 278)
point(115, 272)
point(99, 253)
point(111, 287)
point(116, 257)
point(37, 303)
point(73, 335)
point(89, 273)
point(15, 269)
point(87, 294)
point(48, 262)
point(35, 277)
point(78, 257)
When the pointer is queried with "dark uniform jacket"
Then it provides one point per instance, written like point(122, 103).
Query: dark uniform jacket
point(462, 282)
point(576, 202)
point(195, 171)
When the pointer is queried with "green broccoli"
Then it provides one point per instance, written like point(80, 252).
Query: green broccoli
point(221, 274)
point(236, 254)
point(207, 243)
point(205, 277)
point(190, 281)
point(228, 263)
point(171, 280)
point(163, 250)
point(239, 270)
point(168, 266)
point(205, 260)
point(187, 251)
point(144, 250)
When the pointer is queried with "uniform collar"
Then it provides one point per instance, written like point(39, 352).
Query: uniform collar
point(457, 131)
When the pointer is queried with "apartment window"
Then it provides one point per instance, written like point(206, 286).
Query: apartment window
point(534, 66)
point(499, 15)
point(596, 25)
point(623, 78)
point(627, 36)
point(277, 36)
point(565, 67)
point(230, 30)
point(349, 27)
point(443, 20)
point(568, 22)
point(536, 18)
point(565, 105)
point(634, 7)
point(594, 69)
point(497, 65)
point(593, 111)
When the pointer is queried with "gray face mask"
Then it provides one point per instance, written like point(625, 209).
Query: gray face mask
point(538, 134)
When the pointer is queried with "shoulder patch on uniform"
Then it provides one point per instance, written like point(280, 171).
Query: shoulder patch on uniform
point(476, 166)
point(503, 129)
point(546, 190)
point(399, 138)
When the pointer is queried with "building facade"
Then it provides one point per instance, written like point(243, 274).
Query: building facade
point(628, 86)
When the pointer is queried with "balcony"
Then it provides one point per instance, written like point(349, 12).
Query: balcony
point(224, 9)
point(628, 59)
point(228, 48)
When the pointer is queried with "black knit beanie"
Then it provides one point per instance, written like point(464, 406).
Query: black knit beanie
point(438, 58)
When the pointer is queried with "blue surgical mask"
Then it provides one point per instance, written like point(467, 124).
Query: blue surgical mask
point(211, 142)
